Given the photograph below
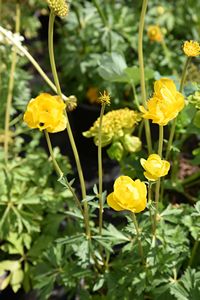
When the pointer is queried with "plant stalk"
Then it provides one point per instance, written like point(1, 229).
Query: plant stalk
point(70, 134)
point(32, 60)
point(59, 171)
point(194, 250)
point(105, 23)
point(100, 170)
point(160, 147)
point(141, 252)
point(10, 87)
point(142, 75)
point(172, 131)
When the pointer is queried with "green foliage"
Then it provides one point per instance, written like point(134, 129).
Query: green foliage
point(42, 230)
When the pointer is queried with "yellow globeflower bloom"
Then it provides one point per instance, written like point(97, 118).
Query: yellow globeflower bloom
point(191, 48)
point(128, 195)
point(46, 112)
point(92, 94)
point(165, 104)
point(154, 33)
point(155, 167)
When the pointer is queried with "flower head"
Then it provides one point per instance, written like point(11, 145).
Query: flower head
point(92, 94)
point(59, 7)
point(165, 104)
point(46, 112)
point(104, 98)
point(115, 124)
point(128, 195)
point(154, 33)
point(191, 48)
point(155, 167)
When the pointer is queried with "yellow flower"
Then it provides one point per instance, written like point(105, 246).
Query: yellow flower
point(154, 33)
point(191, 48)
point(104, 98)
point(128, 195)
point(46, 112)
point(165, 104)
point(92, 94)
point(155, 167)
point(59, 7)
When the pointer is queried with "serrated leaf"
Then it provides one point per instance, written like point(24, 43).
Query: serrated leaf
point(70, 239)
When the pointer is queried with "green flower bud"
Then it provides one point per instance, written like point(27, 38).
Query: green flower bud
point(131, 143)
point(116, 151)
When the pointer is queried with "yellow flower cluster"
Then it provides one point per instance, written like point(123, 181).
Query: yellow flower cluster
point(46, 112)
point(59, 7)
point(191, 48)
point(155, 167)
point(165, 104)
point(154, 33)
point(115, 124)
point(195, 99)
point(128, 195)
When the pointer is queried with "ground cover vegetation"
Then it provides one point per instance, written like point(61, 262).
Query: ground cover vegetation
point(135, 64)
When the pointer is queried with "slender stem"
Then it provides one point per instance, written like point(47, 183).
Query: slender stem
point(141, 252)
point(149, 203)
point(100, 11)
point(171, 137)
point(105, 23)
point(166, 52)
point(59, 171)
point(160, 142)
point(172, 132)
point(184, 73)
point(10, 88)
point(51, 52)
point(142, 75)
point(194, 250)
point(135, 95)
point(160, 147)
point(31, 59)
point(100, 170)
point(56, 166)
point(70, 134)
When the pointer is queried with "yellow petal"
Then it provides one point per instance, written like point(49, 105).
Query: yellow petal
point(112, 203)
point(150, 177)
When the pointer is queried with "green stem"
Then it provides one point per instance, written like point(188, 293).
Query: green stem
point(172, 132)
point(32, 60)
point(101, 13)
point(56, 166)
point(135, 95)
point(142, 74)
point(141, 252)
point(171, 137)
point(59, 171)
point(194, 250)
point(149, 203)
point(160, 147)
point(167, 53)
point(70, 134)
point(100, 170)
point(105, 23)
point(183, 77)
point(10, 88)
